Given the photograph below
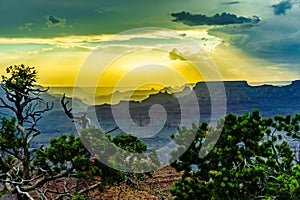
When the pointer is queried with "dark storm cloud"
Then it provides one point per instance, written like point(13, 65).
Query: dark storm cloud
point(53, 19)
point(231, 2)
point(282, 7)
point(218, 19)
point(276, 40)
point(56, 21)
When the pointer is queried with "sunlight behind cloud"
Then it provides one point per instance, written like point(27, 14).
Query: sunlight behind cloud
point(234, 64)
point(156, 64)
point(59, 59)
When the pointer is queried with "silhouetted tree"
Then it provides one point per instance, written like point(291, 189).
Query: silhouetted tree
point(23, 100)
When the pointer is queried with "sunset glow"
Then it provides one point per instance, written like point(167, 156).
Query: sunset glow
point(58, 48)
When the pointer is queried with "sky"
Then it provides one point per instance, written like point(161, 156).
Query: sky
point(255, 41)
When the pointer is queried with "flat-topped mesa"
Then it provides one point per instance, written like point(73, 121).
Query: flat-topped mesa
point(240, 96)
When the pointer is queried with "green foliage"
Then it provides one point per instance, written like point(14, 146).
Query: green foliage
point(78, 197)
point(249, 161)
point(8, 138)
point(2, 192)
point(64, 153)
point(289, 124)
point(8, 142)
point(129, 143)
point(68, 154)
point(21, 78)
point(123, 151)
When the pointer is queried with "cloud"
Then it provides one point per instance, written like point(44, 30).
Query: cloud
point(35, 52)
point(276, 40)
point(175, 55)
point(53, 21)
point(231, 2)
point(282, 7)
point(218, 19)
point(26, 27)
point(88, 42)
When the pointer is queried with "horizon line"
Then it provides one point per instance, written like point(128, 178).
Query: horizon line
point(251, 83)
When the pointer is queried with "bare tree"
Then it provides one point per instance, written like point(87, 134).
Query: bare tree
point(23, 100)
point(83, 120)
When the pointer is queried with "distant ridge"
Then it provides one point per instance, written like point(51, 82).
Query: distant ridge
point(104, 94)
point(240, 96)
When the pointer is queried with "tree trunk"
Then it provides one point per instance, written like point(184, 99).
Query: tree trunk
point(26, 162)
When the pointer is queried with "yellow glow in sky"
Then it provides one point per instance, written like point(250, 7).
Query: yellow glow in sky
point(233, 64)
point(144, 67)
point(58, 61)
